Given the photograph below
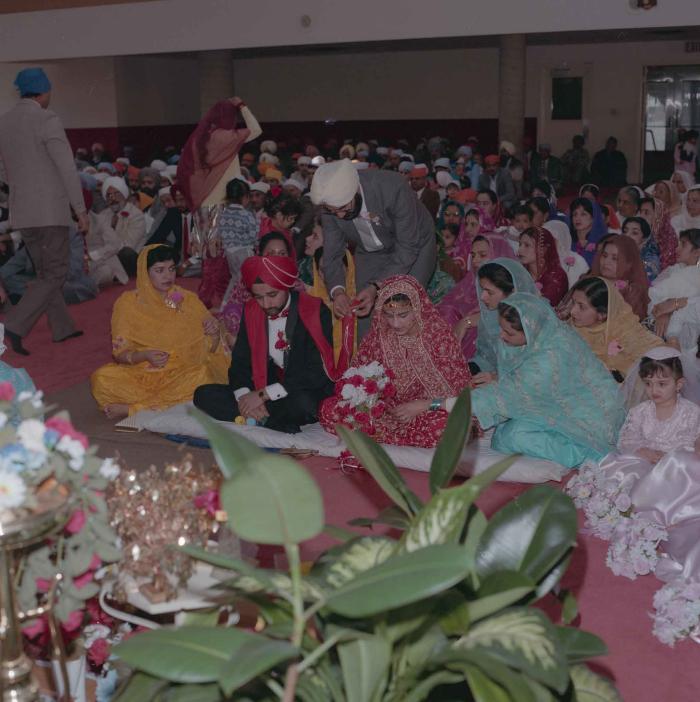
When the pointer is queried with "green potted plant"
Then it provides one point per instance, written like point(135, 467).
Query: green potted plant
point(441, 613)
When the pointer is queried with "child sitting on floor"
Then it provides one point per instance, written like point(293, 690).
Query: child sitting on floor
point(666, 421)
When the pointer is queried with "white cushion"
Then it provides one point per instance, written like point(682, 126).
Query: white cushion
point(477, 456)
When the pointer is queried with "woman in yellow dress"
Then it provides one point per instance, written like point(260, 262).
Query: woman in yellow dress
point(165, 343)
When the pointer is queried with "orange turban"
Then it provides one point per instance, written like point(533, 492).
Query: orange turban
point(492, 160)
point(279, 272)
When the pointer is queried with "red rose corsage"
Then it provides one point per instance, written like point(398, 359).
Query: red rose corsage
point(281, 344)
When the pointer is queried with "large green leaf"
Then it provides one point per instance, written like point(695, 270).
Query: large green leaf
point(443, 518)
point(401, 580)
point(449, 450)
point(378, 464)
point(578, 646)
point(484, 689)
point(232, 451)
point(254, 657)
point(498, 591)
point(343, 563)
point(423, 689)
point(590, 687)
point(140, 687)
point(274, 501)
point(190, 693)
point(531, 534)
point(365, 665)
point(524, 639)
point(188, 655)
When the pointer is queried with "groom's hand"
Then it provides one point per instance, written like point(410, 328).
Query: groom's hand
point(365, 298)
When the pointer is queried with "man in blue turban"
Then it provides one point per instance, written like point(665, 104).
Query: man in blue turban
point(44, 186)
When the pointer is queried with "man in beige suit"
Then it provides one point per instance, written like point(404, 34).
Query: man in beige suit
point(44, 185)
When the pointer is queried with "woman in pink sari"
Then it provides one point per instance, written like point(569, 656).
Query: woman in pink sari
point(409, 338)
point(460, 307)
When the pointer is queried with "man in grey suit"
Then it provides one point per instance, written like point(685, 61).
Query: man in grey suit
point(392, 231)
point(499, 180)
point(44, 185)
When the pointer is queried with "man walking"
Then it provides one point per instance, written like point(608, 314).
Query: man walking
point(44, 185)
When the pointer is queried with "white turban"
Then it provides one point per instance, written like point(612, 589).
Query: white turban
point(117, 184)
point(443, 178)
point(268, 147)
point(508, 147)
point(260, 187)
point(159, 165)
point(303, 161)
point(335, 184)
point(268, 158)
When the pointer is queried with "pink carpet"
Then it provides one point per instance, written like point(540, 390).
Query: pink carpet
point(612, 607)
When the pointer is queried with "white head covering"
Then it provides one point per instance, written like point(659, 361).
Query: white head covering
point(686, 177)
point(294, 183)
point(100, 177)
point(347, 151)
point(443, 162)
point(508, 147)
point(465, 151)
point(382, 150)
point(163, 191)
point(116, 183)
point(159, 165)
point(335, 184)
point(443, 179)
point(124, 160)
point(360, 165)
point(318, 161)
point(260, 188)
point(171, 170)
point(303, 161)
point(268, 147)
point(573, 263)
point(684, 220)
point(406, 167)
point(268, 158)
point(361, 146)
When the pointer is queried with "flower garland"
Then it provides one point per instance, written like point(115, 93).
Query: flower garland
point(634, 550)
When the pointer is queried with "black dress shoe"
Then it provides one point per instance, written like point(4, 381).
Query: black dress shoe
point(74, 335)
point(16, 343)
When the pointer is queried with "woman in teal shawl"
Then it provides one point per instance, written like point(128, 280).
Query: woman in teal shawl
point(553, 399)
point(517, 280)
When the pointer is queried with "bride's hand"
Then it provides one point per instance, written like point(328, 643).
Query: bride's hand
point(408, 410)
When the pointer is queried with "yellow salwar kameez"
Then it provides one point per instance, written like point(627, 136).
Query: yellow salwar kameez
point(141, 320)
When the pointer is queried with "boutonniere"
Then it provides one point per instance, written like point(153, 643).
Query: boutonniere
point(569, 261)
point(174, 299)
point(373, 218)
point(620, 284)
point(124, 213)
point(281, 344)
point(614, 348)
point(538, 285)
point(590, 247)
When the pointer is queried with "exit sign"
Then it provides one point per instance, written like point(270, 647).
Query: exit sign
point(692, 47)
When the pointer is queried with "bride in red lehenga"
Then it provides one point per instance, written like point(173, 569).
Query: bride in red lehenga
point(408, 337)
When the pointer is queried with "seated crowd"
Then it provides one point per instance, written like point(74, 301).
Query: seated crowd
point(449, 269)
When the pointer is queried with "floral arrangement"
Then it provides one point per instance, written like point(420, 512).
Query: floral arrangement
point(634, 549)
point(677, 614)
point(364, 391)
point(43, 463)
point(634, 546)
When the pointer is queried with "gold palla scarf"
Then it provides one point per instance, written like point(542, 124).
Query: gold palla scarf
point(620, 340)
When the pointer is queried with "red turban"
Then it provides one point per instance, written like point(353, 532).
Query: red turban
point(492, 160)
point(279, 272)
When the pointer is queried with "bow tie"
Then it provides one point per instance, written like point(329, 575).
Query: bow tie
point(283, 313)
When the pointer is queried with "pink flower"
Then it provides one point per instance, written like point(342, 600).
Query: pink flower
point(7, 392)
point(74, 622)
point(590, 247)
point(371, 386)
point(124, 214)
point(64, 428)
point(177, 297)
point(42, 584)
point(355, 380)
point(76, 522)
point(208, 501)
point(538, 285)
point(389, 390)
point(378, 410)
point(38, 627)
point(99, 652)
point(569, 260)
point(82, 580)
point(620, 284)
point(362, 418)
point(614, 348)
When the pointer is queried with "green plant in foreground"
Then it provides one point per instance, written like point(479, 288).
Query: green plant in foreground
point(442, 613)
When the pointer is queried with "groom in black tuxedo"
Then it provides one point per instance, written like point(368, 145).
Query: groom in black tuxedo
point(282, 362)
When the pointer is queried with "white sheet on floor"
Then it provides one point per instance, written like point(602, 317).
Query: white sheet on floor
point(477, 456)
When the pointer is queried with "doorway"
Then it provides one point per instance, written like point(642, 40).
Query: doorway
point(671, 103)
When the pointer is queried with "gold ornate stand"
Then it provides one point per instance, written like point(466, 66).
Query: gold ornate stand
point(16, 684)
